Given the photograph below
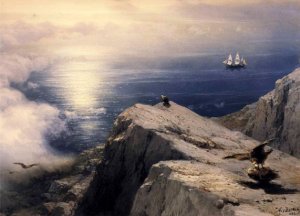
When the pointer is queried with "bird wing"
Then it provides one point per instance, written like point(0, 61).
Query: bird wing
point(240, 156)
point(24, 166)
point(32, 165)
point(259, 148)
point(269, 141)
point(21, 164)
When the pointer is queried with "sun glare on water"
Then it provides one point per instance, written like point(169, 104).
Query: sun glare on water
point(78, 78)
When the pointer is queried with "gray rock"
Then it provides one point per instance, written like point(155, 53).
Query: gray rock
point(275, 115)
point(168, 161)
point(64, 209)
point(59, 187)
point(66, 189)
point(220, 203)
point(59, 209)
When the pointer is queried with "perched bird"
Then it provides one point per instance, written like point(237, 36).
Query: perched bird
point(24, 166)
point(165, 100)
point(257, 156)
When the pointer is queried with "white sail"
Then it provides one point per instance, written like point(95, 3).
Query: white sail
point(237, 60)
point(243, 62)
point(229, 60)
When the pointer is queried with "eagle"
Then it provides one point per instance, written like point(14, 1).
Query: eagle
point(24, 166)
point(165, 100)
point(257, 156)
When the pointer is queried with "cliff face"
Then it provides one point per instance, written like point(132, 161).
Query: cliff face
point(168, 161)
point(56, 193)
point(275, 115)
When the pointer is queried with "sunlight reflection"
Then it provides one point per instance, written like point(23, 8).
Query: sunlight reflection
point(79, 79)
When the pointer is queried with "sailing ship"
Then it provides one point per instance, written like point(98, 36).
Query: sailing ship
point(237, 63)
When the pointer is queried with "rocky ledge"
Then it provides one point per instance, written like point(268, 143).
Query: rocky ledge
point(56, 193)
point(275, 115)
point(169, 161)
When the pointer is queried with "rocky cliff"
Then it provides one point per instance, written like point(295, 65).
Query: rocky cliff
point(168, 161)
point(275, 115)
point(163, 161)
point(55, 193)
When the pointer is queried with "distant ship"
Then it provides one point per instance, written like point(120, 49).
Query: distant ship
point(237, 63)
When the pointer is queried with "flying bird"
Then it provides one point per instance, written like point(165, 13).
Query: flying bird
point(257, 156)
point(24, 166)
point(165, 100)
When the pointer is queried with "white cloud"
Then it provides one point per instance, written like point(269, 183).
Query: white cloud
point(21, 33)
point(17, 68)
point(23, 127)
point(24, 124)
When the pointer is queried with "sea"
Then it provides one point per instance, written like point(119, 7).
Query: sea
point(90, 96)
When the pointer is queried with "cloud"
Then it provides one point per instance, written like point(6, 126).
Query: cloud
point(24, 124)
point(154, 29)
point(21, 33)
point(83, 28)
point(23, 127)
point(17, 68)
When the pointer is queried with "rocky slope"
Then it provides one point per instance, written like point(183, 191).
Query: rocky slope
point(168, 161)
point(55, 193)
point(275, 115)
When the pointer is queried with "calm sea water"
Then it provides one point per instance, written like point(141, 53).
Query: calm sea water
point(91, 96)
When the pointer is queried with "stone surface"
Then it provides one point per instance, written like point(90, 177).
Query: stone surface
point(56, 193)
point(275, 115)
point(168, 161)
point(59, 208)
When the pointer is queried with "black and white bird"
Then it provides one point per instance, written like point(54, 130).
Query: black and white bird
point(165, 100)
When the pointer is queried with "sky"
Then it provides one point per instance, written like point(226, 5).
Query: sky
point(36, 34)
point(147, 28)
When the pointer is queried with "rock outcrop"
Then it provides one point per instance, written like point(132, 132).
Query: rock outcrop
point(169, 161)
point(275, 115)
point(55, 193)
